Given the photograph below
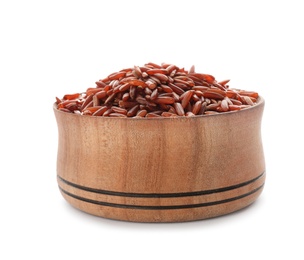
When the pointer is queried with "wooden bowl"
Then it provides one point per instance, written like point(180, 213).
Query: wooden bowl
point(161, 169)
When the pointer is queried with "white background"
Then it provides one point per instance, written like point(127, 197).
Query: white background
point(50, 48)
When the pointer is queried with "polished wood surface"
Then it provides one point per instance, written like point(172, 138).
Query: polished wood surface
point(161, 169)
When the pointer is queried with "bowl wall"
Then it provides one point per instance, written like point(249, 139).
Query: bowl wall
point(161, 169)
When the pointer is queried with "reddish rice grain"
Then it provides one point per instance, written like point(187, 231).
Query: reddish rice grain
point(116, 115)
point(100, 111)
point(186, 98)
point(224, 105)
point(142, 113)
point(179, 109)
point(168, 114)
point(197, 107)
point(155, 91)
point(164, 100)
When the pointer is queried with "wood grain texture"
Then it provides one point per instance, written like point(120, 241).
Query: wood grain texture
point(161, 169)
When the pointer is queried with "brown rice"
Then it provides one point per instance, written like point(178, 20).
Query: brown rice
point(154, 90)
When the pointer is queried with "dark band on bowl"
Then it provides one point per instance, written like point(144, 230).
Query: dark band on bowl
point(240, 195)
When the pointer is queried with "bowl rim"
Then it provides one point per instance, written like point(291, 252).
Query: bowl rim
point(260, 102)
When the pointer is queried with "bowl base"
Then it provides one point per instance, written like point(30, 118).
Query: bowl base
point(169, 207)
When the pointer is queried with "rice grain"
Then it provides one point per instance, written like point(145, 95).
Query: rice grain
point(154, 90)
